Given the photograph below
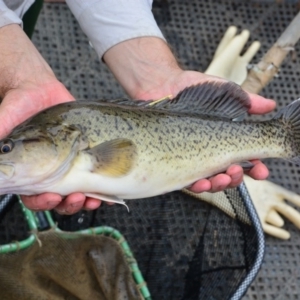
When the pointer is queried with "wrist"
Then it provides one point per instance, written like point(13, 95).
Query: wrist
point(144, 67)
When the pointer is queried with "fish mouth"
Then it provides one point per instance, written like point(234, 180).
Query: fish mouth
point(6, 171)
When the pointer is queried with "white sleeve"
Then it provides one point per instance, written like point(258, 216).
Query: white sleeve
point(11, 11)
point(109, 22)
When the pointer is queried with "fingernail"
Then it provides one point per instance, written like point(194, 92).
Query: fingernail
point(52, 204)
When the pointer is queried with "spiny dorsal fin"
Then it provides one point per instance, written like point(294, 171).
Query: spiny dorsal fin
point(220, 99)
point(113, 158)
point(226, 100)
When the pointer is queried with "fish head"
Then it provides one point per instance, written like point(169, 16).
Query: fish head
point(32, 155)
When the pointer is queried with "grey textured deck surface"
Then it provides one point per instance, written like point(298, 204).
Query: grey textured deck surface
point(193, 28)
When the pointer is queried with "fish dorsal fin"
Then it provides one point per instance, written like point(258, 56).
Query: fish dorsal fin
point(226, 100)
point(113, 158)
point(219, 99)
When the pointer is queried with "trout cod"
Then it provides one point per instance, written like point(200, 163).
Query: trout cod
point(129, 149)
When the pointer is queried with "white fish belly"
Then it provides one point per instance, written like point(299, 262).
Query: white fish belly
point(147, 180)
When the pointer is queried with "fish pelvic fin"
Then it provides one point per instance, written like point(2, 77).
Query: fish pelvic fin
point(107, 198)
point(114, 158)
point(290, 117)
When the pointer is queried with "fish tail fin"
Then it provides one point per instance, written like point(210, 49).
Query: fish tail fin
point(290, 118)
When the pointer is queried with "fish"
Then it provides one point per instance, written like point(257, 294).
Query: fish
point(121, 149)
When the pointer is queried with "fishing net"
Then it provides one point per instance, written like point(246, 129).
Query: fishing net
point(59, 265)
point(184, 248)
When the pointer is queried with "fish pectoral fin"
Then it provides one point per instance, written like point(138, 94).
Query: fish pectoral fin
point(113, 158)
point(107, 198)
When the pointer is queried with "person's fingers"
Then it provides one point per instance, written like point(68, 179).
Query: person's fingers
point(276, 232)
point(273, 218)
point(232, 178)
point(219, 182)
point(72, 204)
point(261, 105)
point(259, 171)
point(200, 186)
point(21, 103)
point(236, 174)
point(91, 203)
point(46, 201)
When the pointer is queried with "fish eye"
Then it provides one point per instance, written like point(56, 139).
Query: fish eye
point(6, 146)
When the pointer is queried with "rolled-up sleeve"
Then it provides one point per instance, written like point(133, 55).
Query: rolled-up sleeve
point(109, 22)
point(12, 11)
point(7, 16)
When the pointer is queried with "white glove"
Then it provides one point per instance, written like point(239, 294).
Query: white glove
point(268, 199)
point(227, 62)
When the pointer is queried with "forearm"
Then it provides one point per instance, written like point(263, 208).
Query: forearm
point(143, 66)
point(125, 34)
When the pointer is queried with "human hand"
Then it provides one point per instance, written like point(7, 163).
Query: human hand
point(227, 63)
point(152, 72)
point(23, 102)
point(27, 86)
point(234, 174)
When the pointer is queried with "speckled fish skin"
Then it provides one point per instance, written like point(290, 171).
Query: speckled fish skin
point(133, 151)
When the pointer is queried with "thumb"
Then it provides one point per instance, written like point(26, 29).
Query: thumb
point(20, 104)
